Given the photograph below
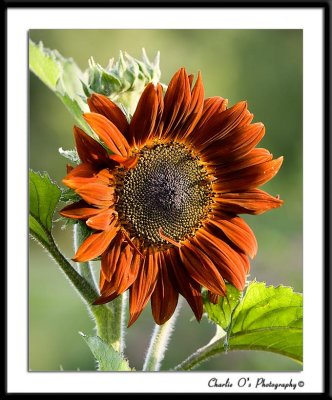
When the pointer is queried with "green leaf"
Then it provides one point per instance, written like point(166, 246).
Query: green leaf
point(269, 318)
point(266, 318)
point(43, 198)
point(63, 77)
point(71, 155)
point(44, 64)
point(221, 313)
point(108, 359)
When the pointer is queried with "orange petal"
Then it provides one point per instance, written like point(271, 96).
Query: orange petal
point(202, 269)
point(195, 109)
point(88, 149)
point(254, 201)
point(108, 133)
point(236, 144)
point(237, 231)
point(229, 263)
point(102, 221)
point(95, 245)
point(141, 290)
point(164, 299)
point(184, 284)
point(176, 103)
point(147, 115)
point(212, 106)
point(219, 125)
point(110, 258)
point(80, 175)
point(101, 104)
point(247, 178)
point(97, 194)
point(80, 210)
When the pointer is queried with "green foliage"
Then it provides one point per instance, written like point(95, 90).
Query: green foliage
point(108, 359)
point(44, 64)
point(221, 313)
point(267, 318)
point(62, 76)
point(43, 198)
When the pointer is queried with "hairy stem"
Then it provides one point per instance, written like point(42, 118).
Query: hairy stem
point(87, 293)
point(108, 318)
point(158, 343)
point(212, 349)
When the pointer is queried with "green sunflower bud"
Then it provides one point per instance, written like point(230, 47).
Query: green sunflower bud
point(122, 81)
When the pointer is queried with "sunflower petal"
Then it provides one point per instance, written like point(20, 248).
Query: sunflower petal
point(102, 220)
point(95, 245)
point(141, 290)
point(202, 269)
point(195, 110)
point(108, 133)
point(80, 210)
point(236, 144)
point(147, 115)
point(184, 284)
point(247, 178)
point(254, 201)
point(219, 125)
point(237, 231)
point(176, 102)
point(88, 149)
point(97, 194)
point(80, 175)
point(110, 258)
point(164, 298)
point(103, 105)
point(229, 263)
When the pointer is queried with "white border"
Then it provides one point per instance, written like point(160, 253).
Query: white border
point(19, 22)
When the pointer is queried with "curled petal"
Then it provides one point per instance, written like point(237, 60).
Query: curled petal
point(88, 149)
point(237, 231)
point(254, 201)
point(108, 133)
point(103, 105)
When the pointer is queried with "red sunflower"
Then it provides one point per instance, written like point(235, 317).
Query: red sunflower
point(161, 195)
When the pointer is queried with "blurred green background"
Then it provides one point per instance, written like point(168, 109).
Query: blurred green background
point(263, 67)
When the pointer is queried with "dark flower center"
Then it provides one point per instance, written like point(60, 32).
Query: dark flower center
point(167, 189)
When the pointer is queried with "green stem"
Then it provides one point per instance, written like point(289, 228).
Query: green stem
point(109, 322)
point(201, 355)
point(159, 341)
point(81, 285)
point(108, 318)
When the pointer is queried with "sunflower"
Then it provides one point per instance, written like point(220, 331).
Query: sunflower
point(161, 195)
